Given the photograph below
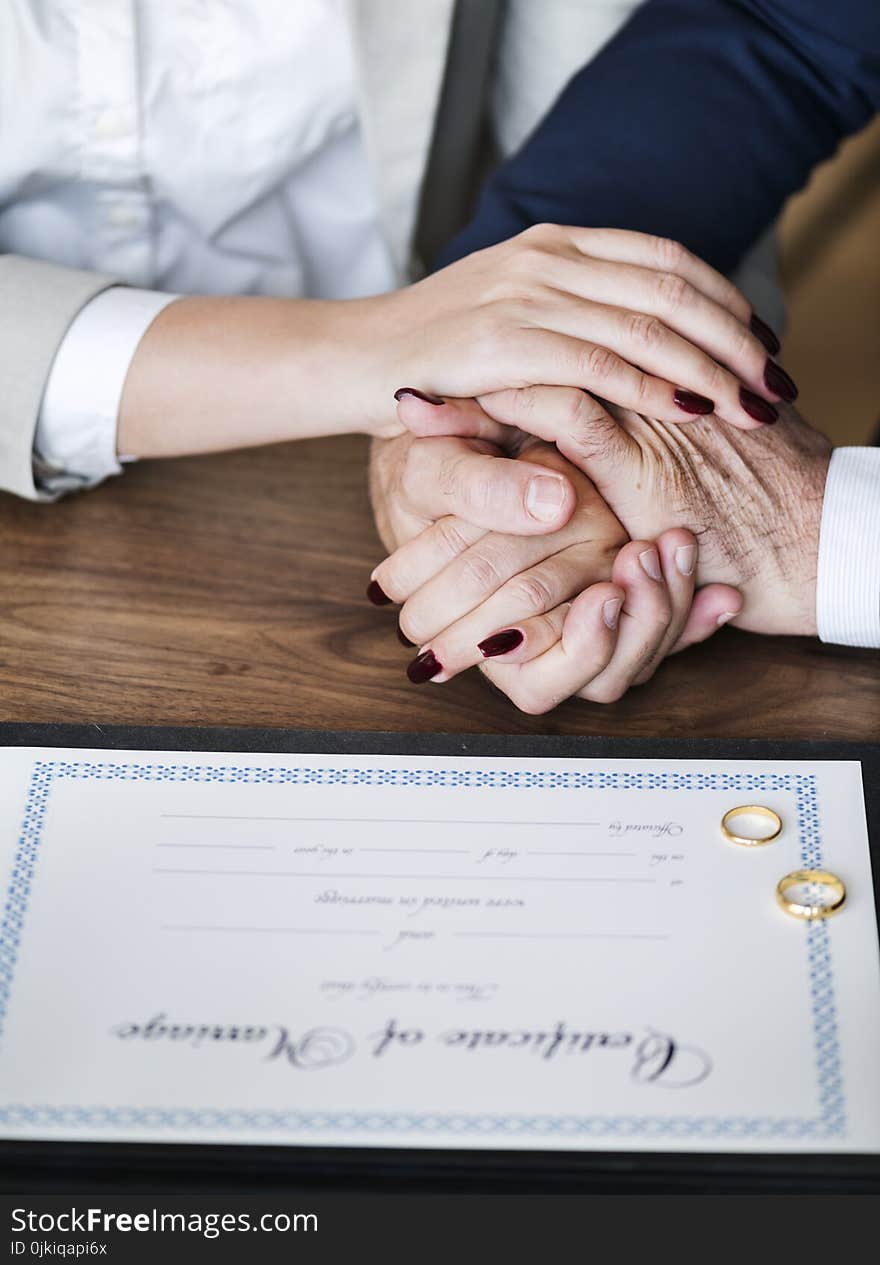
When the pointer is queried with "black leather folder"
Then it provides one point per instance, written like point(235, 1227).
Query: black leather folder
point(112, 1167)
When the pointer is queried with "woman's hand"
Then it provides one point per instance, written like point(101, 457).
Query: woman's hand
point(613, 635)
point(609, 637)
point(635, 319)
point(470, 595)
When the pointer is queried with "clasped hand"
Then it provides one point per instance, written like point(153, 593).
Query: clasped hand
point(520, 562)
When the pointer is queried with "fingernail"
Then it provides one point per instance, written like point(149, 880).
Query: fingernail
point(650, 561)
point(500, 643)
point(424, 667)
point(544, 497)
point(611, 611)
point(723, 619)
point(778, 381)
point(420, 395)
point(764, 334)
point(757, 408)
point(377, 594)
point(690, 402)
point(403, 639)
point(686, 559)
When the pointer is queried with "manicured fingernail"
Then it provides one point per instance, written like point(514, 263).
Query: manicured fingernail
point(377, 594)
point(690, 402)
point(686, 559)
point(757, 408)
point(650, 561)
point(764, 334)
point(420, 395)
point(424, 667)
point(500, 643)
point(723, 619)
point(778, 381)
point(403, 639)
point(544, 497)
point(611, 611)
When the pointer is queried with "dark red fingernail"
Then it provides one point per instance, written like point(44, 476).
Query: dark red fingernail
point(403, 639)
point(424, 667)
point(764, 334)
point(757, 408)
point(778, 381)
point(500, 643)
point(690, 402)
point(420, 395)
point(377, 594)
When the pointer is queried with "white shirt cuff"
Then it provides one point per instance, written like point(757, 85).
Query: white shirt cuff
point(848, 580)
point(75, 444)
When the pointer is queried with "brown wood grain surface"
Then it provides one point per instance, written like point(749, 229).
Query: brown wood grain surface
point(230, 591)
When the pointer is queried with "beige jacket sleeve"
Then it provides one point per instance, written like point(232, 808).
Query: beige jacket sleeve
point(38, 302)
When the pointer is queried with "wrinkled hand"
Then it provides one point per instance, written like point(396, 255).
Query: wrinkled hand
point(414, 482)
point(754, 500)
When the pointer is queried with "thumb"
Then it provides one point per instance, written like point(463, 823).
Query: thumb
point(446, 476)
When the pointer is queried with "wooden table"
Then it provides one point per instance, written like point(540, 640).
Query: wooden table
point(230, 591)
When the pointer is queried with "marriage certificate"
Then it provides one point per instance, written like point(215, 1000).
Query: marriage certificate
point(415, 951)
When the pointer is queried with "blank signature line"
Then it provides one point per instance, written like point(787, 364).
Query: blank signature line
point(444, 878)
point(292, 931)
point(415, 821)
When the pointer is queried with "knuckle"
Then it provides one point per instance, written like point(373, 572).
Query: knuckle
point(599, 364)
point(541, 234)
point(670, 254)
point(531, 258)
point(603, 691)
point(480, 573)
point(570, 409)
point(523, 405)
point(716, 379)
point(450, 537)
point(530, 700)
point(672, 291)
point(645, 331)
point(532, 593)
point(745, 346)
point(644, 392)
point(662, 618)
point(573, 409)
point(526, 304)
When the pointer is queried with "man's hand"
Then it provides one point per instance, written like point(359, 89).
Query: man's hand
point(754, 500)
point(414, 482)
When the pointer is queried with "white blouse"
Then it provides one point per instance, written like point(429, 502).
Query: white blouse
point(184, 146)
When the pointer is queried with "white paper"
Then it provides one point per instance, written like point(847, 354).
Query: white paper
point(431, 952)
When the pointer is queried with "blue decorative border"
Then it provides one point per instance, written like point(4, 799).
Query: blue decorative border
point(830, 1121)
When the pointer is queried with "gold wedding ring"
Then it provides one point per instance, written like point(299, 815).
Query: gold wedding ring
point(751, 841)
point(822, 894)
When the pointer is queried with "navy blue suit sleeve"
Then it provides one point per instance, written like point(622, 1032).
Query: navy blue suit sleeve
point(696, 122)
